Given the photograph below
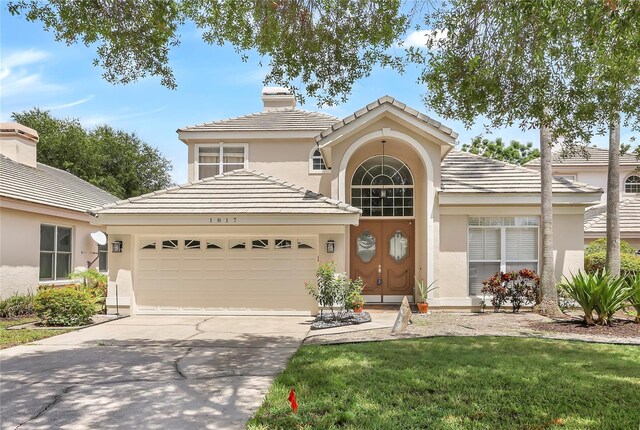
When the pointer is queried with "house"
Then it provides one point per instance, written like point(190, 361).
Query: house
point(44, 228)
point(591, 167)
point(382, 193)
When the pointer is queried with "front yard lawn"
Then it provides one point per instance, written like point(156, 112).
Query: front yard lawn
point(10, 338)
point(457, 383)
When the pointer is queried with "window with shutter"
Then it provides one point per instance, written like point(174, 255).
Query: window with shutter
point(500, 244)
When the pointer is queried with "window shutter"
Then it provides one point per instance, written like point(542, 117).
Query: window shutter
point(476, 244)
point(522, 244)
point(492, 244)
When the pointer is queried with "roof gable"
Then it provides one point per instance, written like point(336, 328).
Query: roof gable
point(595, 219)
point(49, 186)
point(238, 192)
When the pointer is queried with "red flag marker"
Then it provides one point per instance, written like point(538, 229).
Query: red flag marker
point(292, 400)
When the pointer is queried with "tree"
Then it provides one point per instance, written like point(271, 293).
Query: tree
point(326, 45)
point(515, 153)
point(114, 160)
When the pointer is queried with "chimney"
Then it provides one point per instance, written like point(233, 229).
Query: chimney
point(277, 98)
point(18, 143)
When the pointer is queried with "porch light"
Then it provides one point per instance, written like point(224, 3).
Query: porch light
point(116, 247)
point(331, 246)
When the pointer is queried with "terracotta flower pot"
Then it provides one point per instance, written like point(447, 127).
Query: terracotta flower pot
point(423, 307)
point(358, 310)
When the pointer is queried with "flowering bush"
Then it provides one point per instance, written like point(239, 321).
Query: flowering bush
point(519, 287)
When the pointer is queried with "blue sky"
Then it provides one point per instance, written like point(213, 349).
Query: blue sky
point(213, 83)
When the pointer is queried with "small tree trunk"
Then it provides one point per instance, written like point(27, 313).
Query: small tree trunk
point(548, 294)
point(612, 262)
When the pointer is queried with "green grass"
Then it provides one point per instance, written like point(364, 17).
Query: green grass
point(458, 383)
point(9, 338)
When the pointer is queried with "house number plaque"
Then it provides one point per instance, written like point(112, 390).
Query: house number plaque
point(223, 220)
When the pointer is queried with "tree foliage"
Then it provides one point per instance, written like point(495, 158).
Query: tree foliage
point(114, 160)
point(515, 152)
point(324, 46)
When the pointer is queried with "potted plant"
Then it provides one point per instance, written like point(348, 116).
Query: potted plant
point(424, 290)
point(354, 300)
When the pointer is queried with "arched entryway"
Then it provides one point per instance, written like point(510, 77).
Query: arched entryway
point(383, 244)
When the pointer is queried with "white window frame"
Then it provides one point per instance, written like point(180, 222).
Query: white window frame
point(55, 251)
point(221, 164)
point(311, 158)
point(624, 185)
point(503, 245)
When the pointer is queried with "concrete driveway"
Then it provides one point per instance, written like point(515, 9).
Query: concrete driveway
point(151, 372)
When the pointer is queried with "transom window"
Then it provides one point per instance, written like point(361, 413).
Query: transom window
point(501, 244)
point(383, 186)
point(211, 160)
point(55, 252)
point(632, 185)
point(317, 162)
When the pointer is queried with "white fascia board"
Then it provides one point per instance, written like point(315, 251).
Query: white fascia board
point(401, 116)
point(215, 136)
point(452, 198)
point(43, 209)
point(226, 219)
point(603, 233)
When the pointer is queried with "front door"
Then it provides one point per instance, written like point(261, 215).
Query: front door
point(382, 254)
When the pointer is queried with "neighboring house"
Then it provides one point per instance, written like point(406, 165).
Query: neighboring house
point(382, 193)
point(44, 228)
point(591, 168)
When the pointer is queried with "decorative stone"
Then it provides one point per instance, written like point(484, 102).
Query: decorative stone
point(404, 317)
point(340, 319)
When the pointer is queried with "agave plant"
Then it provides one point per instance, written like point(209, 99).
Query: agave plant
point(634, 284)
point(583, 289)
point(611, 297)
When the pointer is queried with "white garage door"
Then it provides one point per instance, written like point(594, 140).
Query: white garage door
point(207, 275)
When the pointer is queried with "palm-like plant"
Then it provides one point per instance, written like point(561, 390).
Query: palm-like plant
point(634, 285)
point(582, 288)
point(611, 296)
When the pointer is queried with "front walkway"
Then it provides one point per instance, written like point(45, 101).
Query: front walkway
point(524, 324)
point(163, 372)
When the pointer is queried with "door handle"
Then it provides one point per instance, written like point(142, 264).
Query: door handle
point(379, 274)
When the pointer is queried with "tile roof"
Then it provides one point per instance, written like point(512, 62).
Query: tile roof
point(273, 120)
point(49, 186)
point(595, 219)
point(596, 157)
point(237, 192)
point(463, 172)
point(381, 101)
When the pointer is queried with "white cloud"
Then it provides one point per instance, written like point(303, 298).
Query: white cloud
point(16, 78)
point(70, 104)
point(23, 58)
point(420, 38)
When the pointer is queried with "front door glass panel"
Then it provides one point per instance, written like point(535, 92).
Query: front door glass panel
point(398, 246)
point(366, 246)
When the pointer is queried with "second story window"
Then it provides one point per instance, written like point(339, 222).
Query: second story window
point(211, 160)
point(316, 163)
point(632, 185)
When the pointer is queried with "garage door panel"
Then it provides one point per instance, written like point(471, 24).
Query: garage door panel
point(187, 280)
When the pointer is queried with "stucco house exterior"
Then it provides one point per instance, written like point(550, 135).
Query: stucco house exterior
point(591, 167)
point(44, 227)
point(382, 193)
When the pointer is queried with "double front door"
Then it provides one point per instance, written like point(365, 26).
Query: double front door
point(382, 254)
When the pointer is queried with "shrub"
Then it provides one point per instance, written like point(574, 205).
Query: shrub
point(17, 305)
point(597, 292)
point(353, 297)
point(64, 306)
point(629, 263)
point(600, 245)
point(634, 284)
point(519, 287)
point(335, 289)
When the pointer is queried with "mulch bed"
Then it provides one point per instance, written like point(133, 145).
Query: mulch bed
point(328, 320)
point(621, 327)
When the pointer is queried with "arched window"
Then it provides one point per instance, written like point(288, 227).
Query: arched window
point(632, 185)
point(383, 186)
point(316, 162)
